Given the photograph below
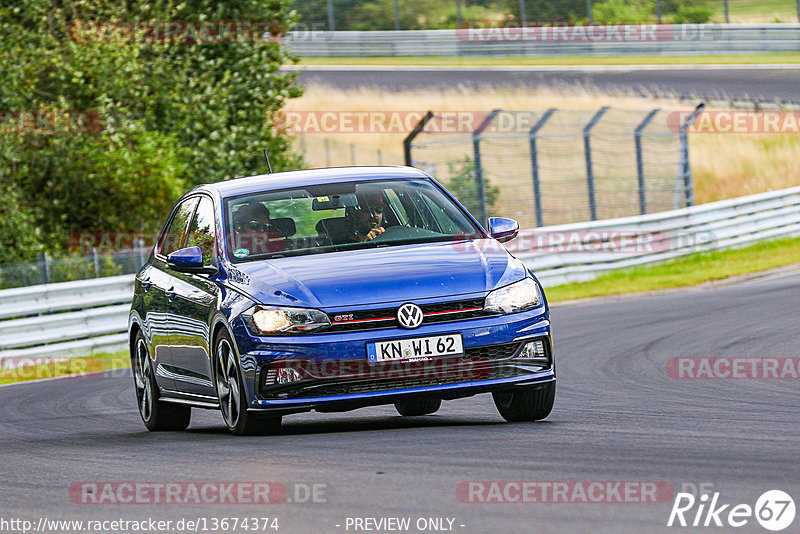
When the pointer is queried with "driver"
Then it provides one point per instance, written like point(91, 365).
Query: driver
point(365, 220)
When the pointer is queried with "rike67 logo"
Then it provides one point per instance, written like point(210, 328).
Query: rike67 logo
point(774, 510)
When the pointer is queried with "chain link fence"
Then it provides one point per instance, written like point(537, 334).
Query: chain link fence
point(334, 15)
point(48, 269)
point(559, 166)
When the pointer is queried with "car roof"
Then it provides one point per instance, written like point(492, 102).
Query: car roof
point(283, 180)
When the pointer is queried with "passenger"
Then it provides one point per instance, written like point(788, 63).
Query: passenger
point(254, 232)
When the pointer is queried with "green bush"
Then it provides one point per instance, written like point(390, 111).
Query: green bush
point(692, 15)
point(169, 114)
point(19, 239)
point(620, 11)
point(464, 187)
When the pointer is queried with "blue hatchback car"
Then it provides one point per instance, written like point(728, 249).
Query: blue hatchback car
point(331, 290)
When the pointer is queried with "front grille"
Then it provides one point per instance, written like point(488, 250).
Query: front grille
point(364, 386)
point(439, 312)
point(477, 363)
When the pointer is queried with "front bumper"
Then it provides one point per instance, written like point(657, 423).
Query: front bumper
point(337, 377)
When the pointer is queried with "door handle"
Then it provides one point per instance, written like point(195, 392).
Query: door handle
point(170, 293)
point(146, 284)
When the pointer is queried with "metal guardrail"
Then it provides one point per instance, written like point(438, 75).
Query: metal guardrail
point(90, 316)
point(667, 39)
point(600, 246)
point(70, 318)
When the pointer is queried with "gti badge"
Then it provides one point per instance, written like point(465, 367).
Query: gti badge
point(409, 315)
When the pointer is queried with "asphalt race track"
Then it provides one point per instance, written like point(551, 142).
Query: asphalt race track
point(761, 83)
point(618, 417)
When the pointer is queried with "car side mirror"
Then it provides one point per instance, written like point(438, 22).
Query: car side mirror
point(503, 229)
point(188, 260)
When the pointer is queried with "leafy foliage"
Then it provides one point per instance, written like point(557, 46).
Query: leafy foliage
point(161, 115)
point(463, 185)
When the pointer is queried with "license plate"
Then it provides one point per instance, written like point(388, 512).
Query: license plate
point(419, 348)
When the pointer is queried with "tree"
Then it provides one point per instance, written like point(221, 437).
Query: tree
point(145, 119)
point(463, 185)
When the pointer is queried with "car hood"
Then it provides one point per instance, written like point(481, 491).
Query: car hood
point(378, 275)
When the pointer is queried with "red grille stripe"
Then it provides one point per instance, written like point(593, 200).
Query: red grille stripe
point(393, 318)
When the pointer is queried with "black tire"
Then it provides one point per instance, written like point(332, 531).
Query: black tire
point(526, 404)
point(157, 415)
point(414, 407)
point(231, 395)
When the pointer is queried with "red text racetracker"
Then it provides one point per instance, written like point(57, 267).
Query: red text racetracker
point(415, 348)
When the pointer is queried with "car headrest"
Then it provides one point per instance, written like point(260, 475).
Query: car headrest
point(334, 227)
point(285, 225)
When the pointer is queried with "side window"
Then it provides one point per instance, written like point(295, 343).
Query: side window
point(176, 233)
point(202, 230)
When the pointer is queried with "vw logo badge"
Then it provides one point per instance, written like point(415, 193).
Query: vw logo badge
point(409, 315)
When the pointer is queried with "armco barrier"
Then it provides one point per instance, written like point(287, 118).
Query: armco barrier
point(716, 225)
point(667, 39)
point(67, 319)
point(91, 315)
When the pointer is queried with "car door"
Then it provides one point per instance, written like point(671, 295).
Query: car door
point(156, 279)
point(191, 300)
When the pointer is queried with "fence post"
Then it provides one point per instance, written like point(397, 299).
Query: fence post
point(480, 184)
point(727, 19)
point(685, 168)
point(331, 22)
point(589, 11)
point(396, 15)
point(658, 11)
point(523, 18)
point(587, 150)
point(637, 136)
point(413, 134)
point(95, 262)
point(537, 195)
point(44, 267)
point(139, 253)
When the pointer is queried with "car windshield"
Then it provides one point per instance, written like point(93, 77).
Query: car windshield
point(333, 217)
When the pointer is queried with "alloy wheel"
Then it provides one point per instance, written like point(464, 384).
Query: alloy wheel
point(141, 375)
point(227, 383)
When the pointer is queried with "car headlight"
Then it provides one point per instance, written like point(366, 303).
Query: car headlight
point(267, 320)
point(518, 296)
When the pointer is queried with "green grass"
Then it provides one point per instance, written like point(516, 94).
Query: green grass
point(706, 59)
point(689, 270)
point(754, 10)
point(50, 368)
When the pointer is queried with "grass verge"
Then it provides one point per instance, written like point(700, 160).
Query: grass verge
point(35, 368)
point(706, 59)
point(689, 270)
